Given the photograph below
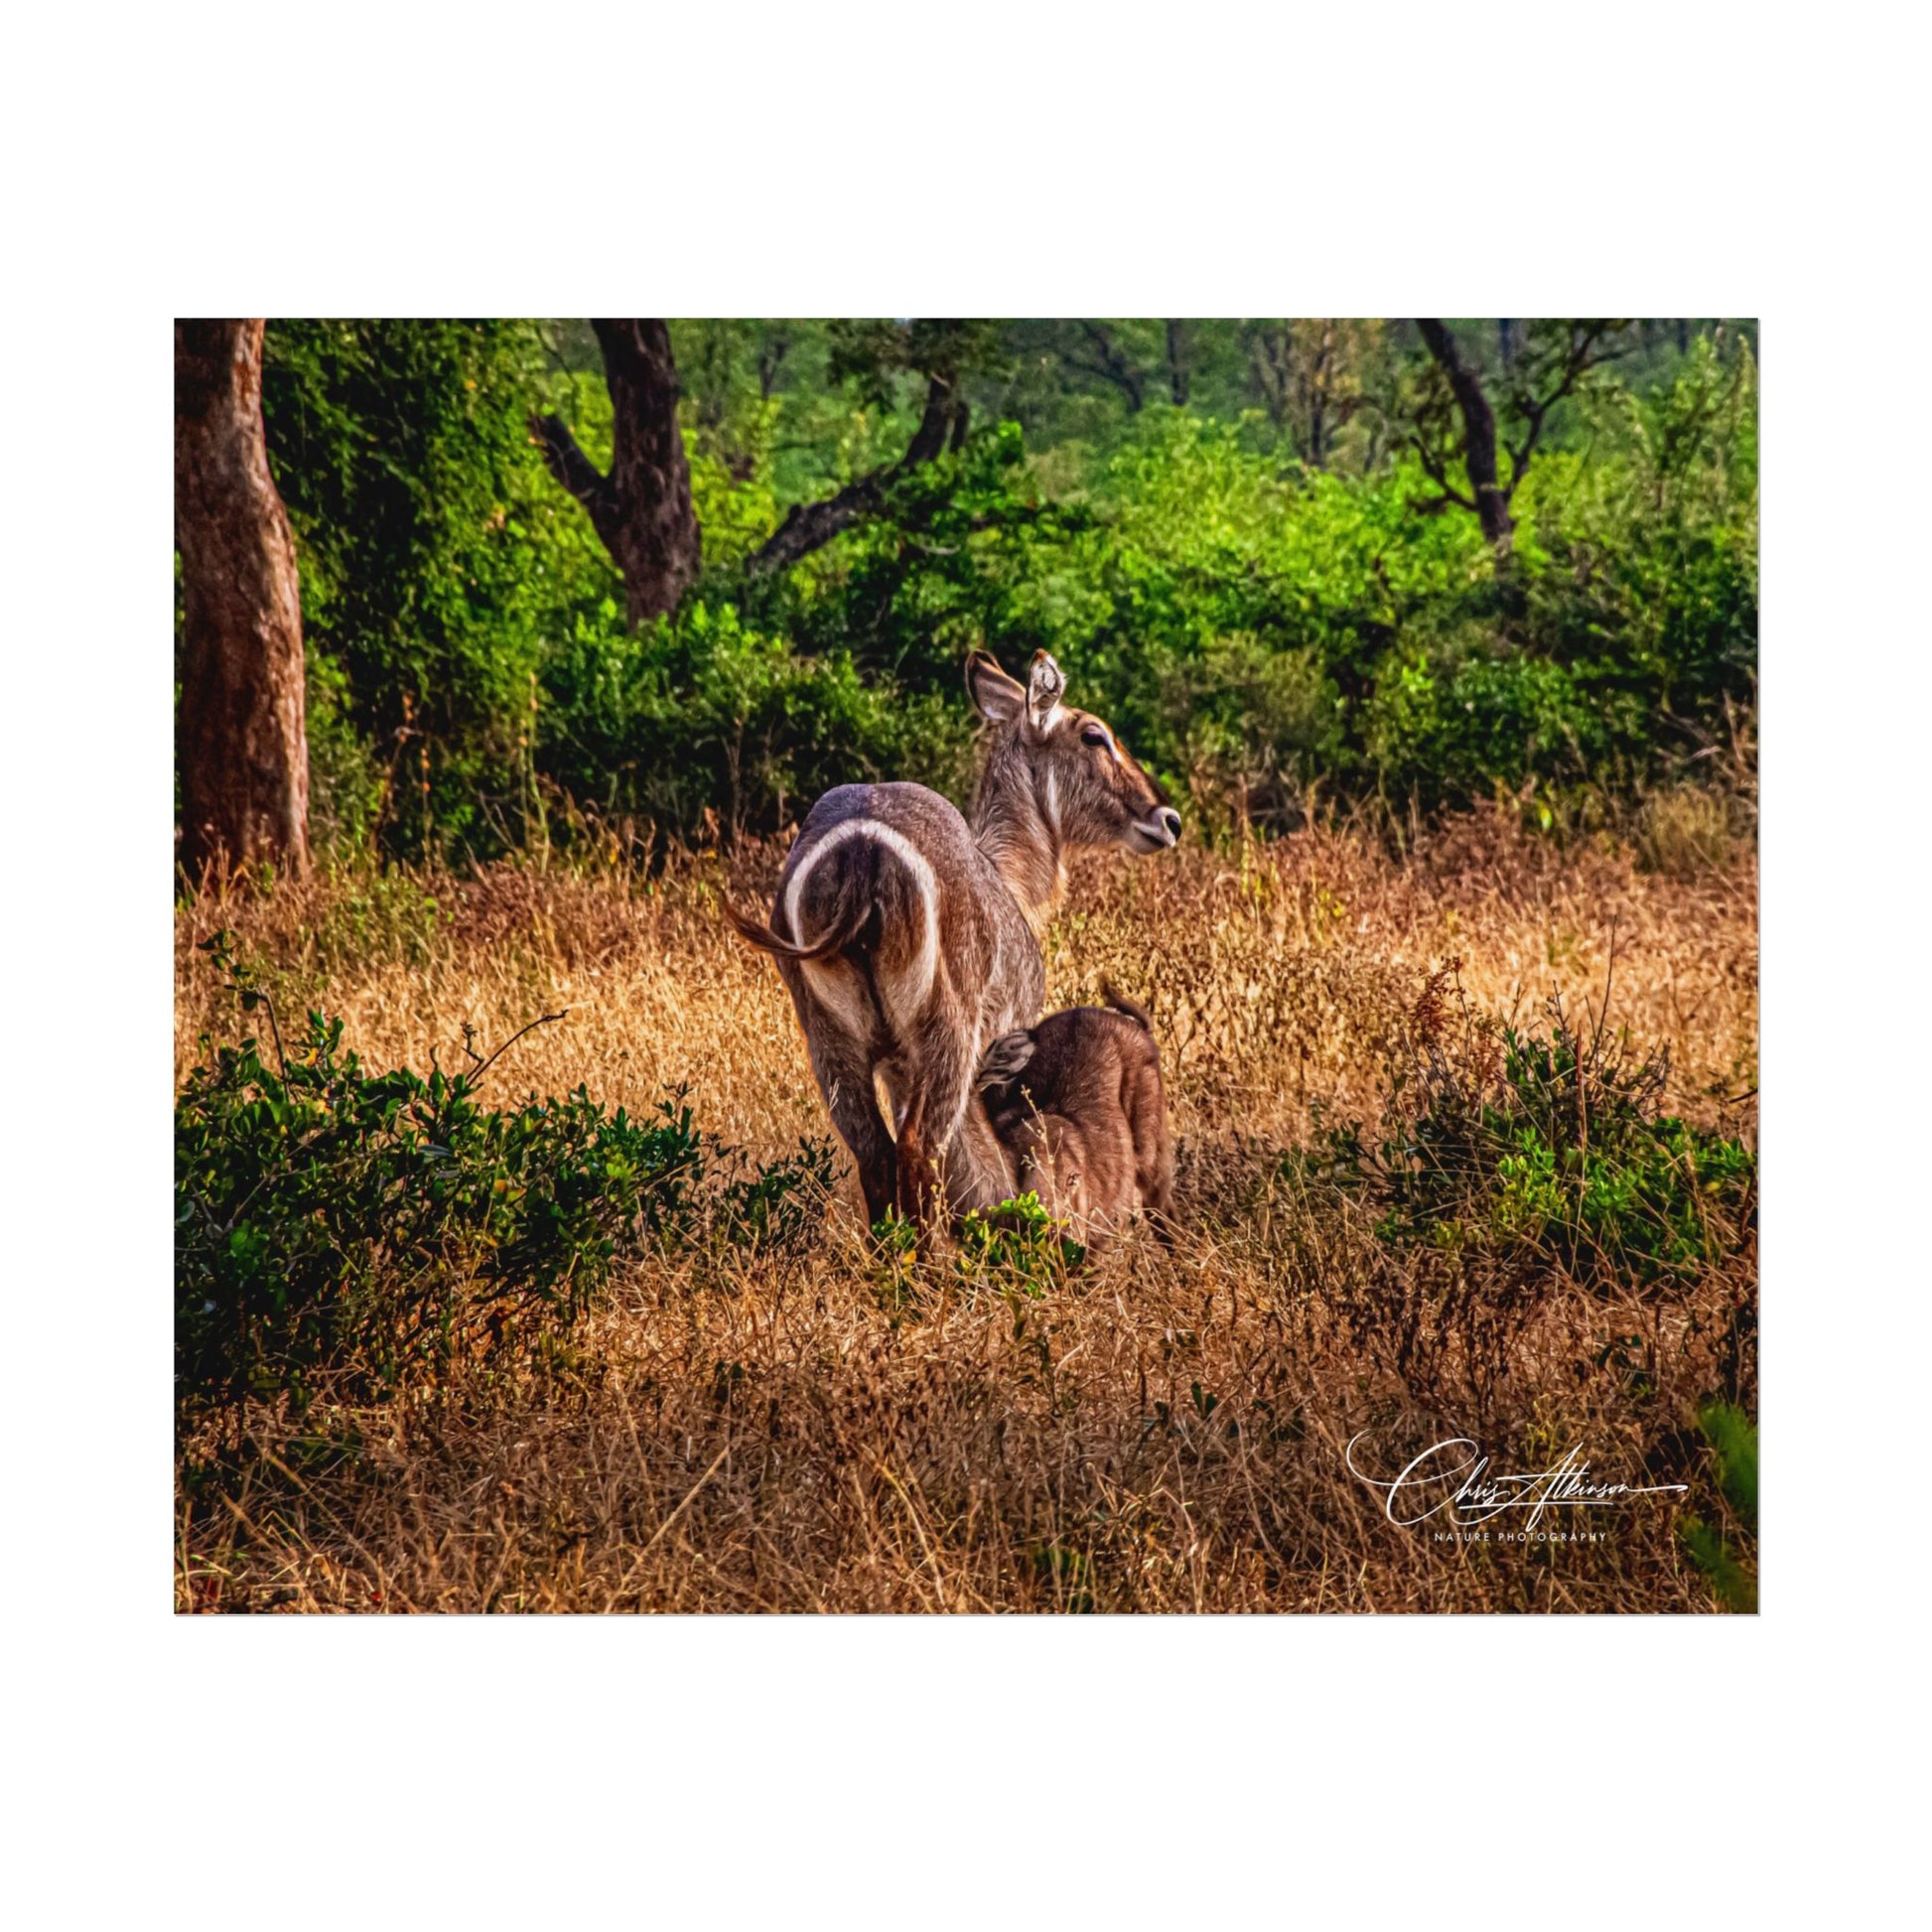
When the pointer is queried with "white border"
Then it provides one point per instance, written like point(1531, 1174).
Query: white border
point(1021, 159)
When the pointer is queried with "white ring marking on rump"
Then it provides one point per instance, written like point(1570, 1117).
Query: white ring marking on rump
point(907, 993)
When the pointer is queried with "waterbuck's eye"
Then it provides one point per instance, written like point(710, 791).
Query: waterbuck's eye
point(1093, 734)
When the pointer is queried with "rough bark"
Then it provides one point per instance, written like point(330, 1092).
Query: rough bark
point(1478, 434)
point(642, 511)
point(808, 526)
point(242, 733)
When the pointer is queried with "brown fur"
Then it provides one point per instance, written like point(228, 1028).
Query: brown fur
point(908, 937)
point(1079, 1110)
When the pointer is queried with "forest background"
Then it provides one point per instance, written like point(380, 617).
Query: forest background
point(1389, 566)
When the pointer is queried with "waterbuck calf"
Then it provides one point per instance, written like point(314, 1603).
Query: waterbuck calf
point(910, 937)
point(1077, 1106)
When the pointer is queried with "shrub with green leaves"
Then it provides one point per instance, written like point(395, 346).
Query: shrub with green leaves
point(438, 561)
point(367, 1227)
point(1545, 1147)
point(1017, 1245)
point(1254, 627)
point(705, 714)
point(1725, 1551)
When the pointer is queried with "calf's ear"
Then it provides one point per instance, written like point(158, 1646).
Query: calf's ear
point(998, 698)
point(1003, 1062)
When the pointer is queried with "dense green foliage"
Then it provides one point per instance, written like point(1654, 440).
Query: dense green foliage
point(1727, 1550)
point(332, 1222)
point(1530, 1149)
point(1256, 623)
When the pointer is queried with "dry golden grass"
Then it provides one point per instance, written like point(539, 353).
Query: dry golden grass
point(1684, 831)
point(1165, 1432)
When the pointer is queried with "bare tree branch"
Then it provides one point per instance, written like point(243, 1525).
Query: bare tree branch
point(1113, 366)
point(568, 462)
point(809, 526)
point(772, 359)
point(1270, 358)
point(1491, 504)
point(1437, 471)
point(1581, 354)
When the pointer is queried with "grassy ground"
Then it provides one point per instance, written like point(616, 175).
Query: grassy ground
point(1164, 1432)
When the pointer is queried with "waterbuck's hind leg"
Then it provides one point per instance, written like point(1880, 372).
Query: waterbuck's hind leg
point(843, 1070)
point(929, 1129)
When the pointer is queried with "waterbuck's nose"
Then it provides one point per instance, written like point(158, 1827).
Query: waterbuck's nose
point(1171, 819)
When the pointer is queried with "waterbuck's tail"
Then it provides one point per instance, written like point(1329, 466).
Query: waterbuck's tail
point(1122, 1004)
point(847, 920)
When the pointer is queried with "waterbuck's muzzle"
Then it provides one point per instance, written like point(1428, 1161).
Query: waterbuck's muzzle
point(1158, 829)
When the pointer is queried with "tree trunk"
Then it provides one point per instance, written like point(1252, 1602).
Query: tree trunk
point(642, 509)
point(1176, 366)
point(241, 735)
point(1271, 363)
point(1318, 395)
point(1478, 436)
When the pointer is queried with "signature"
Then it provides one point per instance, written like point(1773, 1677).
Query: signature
point(1454, 1479)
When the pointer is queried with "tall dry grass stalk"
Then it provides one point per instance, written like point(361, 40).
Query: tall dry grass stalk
point(1165, 1432)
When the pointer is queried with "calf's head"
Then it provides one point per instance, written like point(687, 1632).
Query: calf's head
point(1007, 1103)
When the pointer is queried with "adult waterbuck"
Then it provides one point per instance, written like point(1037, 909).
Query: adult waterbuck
point(910, 937)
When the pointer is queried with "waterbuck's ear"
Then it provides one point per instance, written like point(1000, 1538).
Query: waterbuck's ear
point(1045, 689)
point(1000, 698)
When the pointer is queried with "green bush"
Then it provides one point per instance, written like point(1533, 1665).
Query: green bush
point(701, 713)
point(1252, 728)
point(967, 551)
point(1544, 1148)
point(1253, 626)
point(1727, 1552)
point(1017, 1245)
point(1640, 546)
point(368, 1228)
point(1014, 1248)
point(1453, 725)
